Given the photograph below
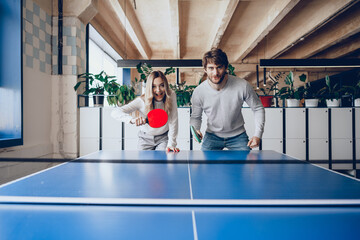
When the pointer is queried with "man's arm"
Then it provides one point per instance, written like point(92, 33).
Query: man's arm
point(196, 112)
point(259, 115)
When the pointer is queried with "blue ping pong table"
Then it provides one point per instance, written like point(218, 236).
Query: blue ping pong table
point(186, 195)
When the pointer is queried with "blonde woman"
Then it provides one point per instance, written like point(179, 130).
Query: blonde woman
point(157, 95)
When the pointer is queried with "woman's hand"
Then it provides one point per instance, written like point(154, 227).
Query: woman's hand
point(172, 149)
point(138, 121)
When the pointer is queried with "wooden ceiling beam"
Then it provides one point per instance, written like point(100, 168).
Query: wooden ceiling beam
point(114, 33)
point(268, 22)
point(305, 18)
point(128, 20)
point(175, 26)
point(343, 49)
point(230, 9)
point(343, 27)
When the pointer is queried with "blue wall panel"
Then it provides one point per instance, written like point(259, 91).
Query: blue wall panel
point(10, 73)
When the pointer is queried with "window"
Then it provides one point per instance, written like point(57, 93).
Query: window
point(102, 57)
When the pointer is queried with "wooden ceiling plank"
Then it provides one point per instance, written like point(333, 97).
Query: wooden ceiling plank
point(341, 50)
point(306, 18)
point(133, 32)
point(276, 13)
point(175, 26)
point(105, 22)
point(331, 34)
point(230, 9)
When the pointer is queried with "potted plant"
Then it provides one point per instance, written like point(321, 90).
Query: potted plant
point(331, 93)
point(266, 98)
point(183, 93)
point(309, 94)
point(289, 92)
point(120, 94)
point(354, 91)
point(103, 82)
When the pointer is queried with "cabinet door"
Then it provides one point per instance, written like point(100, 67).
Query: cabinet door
point(341, 123)
point(318, 149)
point(89, 122)
point(273, 123)
point(183, 144)
point(296, 148)
point(318, 123)
point(89, 130)
point(357, 134)
point(131, 136)
point(295, 123)
point(111, 131)
point(88, 145)
point(183, 139)
point(341, 136)
point(111, 128)
point(275, 144)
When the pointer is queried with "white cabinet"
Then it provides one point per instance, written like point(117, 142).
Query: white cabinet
point(318, 134)
point(341, 136)
point(272, 138)
point(131, 136)
point(111, 131)
point(357, 135)
point(89, 130)
point(183, 139)
point(295, 132)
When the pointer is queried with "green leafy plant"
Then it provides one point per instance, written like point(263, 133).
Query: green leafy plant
point(117, 94)
point(330, 91)
point(101, 81)
point(231, 70)
point(289, 91)
point(267, 90)
point(183, 93)
point(354, 90)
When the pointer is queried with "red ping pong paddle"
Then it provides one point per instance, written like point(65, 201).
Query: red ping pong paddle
point(157, 118)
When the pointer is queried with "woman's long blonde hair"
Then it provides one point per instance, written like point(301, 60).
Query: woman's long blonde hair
point(149, 98)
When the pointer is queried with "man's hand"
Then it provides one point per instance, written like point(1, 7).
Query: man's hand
point(199, 134)
point(254, 142)
point(172, 149)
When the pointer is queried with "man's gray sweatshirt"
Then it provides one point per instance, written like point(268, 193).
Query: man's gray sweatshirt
point(223, 108)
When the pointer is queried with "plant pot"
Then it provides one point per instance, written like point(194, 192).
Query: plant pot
point(333, 102)
point(311, 102)
point(266, 100)
point(292, 102)
point(357, 102)
point(98, 100)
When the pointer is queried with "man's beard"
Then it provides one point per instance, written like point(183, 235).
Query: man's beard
point(220, 81)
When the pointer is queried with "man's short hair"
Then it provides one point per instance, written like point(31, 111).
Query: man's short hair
point(216, 56)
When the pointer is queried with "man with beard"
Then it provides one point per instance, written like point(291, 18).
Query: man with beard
point(221, 97)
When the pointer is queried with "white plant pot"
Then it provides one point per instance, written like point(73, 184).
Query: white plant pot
point(333, 102)
point(311, 102)
point(292, 102)
point(357, 102)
